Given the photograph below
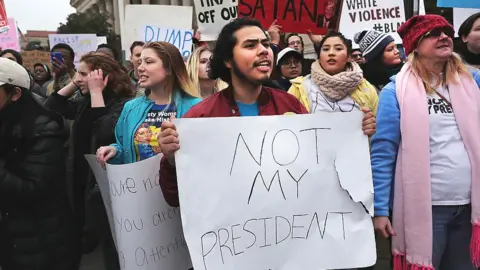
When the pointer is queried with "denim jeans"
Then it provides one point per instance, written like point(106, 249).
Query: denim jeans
point(452, 230)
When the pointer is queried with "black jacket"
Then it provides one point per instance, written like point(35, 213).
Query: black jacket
point(93, 127)
point(36, 228)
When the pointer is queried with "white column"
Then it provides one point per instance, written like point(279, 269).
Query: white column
point(116, 17)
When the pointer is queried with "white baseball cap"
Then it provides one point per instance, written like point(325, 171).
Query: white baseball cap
point(286, 51)
point(13, 73)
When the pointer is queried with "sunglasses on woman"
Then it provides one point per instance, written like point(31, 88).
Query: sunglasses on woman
point(439, 31)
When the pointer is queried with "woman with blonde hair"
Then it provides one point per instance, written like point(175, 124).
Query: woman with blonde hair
point(427, 152)
point(197, 67)
point(170, 93)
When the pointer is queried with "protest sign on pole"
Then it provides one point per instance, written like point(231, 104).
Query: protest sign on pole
point(4, 23)
point(139, 16)
point(276, 192)
point(30, 58)
point(294, 16)
point(382, 16)
point(181, 38)
point(459, 3)
point(9, 38)
point(213, 15)
point(80, 43)
point(148, 233)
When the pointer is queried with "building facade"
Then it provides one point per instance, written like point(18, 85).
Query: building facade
point(102, 6)
point(34, 38)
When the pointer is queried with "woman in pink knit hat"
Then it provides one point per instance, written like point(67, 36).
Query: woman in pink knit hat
point(426, 154)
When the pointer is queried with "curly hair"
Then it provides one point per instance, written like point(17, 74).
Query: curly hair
point(118, 80)
point(223, 51)
point(173, 61)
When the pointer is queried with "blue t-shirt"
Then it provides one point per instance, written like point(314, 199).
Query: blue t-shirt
point(145, 140)
point(248, 109)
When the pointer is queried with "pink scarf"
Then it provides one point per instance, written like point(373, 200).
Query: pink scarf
point(412, 207)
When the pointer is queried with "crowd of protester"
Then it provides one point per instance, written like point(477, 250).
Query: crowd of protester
point(421, 114)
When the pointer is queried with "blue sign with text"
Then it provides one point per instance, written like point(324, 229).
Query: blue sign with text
point(459, 3)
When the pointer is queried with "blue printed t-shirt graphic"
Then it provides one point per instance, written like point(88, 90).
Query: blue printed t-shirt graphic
point(146, 144)
point(248, 109)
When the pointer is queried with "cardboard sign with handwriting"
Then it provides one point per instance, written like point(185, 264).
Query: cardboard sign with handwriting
point(276, 192)
point(30, 58)
point(148, 233)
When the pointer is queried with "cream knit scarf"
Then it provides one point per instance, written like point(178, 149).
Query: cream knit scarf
point(340, 85)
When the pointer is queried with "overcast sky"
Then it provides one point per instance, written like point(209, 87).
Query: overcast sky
point(38, 14)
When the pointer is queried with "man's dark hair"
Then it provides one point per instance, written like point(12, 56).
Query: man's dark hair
point(347, 42)
point(112, 49)
point(467, 25)
point(223, 51)
point(17, 55)
point(135, 44)
point(294, 35)
point(65, 47)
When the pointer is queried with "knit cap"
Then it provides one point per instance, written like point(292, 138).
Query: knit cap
point(417, 26)
point(372, 43)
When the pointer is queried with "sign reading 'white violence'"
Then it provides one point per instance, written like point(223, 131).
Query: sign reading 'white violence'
point(212, 15)
point(276, 192)
point(380, 15)
point(147, 232)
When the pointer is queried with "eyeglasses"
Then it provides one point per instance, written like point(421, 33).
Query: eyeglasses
point(293, 63)
point(293, 43)
point(439, 31)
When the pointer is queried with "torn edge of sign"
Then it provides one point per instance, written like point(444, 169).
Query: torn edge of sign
point(348, 180)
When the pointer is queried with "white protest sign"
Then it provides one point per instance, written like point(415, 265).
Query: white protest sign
point(80, 43)
point(460, 15)
point(104, 186)
point(101, 40)
point(138, 16)
point(276, 192)
point(148, 233)
point(181, 38)
point(212, 15)
point(380, 15)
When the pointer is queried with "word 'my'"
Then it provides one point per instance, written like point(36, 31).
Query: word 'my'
point(282, 139)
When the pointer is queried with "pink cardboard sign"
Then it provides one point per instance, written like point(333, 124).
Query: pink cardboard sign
point(9, 39)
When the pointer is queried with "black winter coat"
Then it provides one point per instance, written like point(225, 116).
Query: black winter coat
point(36, 228)
point(93, 127)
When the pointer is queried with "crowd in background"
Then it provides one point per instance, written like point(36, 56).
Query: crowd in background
point(421, 113)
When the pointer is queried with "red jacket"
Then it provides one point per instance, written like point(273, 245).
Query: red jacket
point(270, 102)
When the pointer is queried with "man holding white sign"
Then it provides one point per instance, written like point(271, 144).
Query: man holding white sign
point(282, 192)
point(245, 97)
point(243, 58)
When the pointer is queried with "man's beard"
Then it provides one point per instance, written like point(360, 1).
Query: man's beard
point(242, 77)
